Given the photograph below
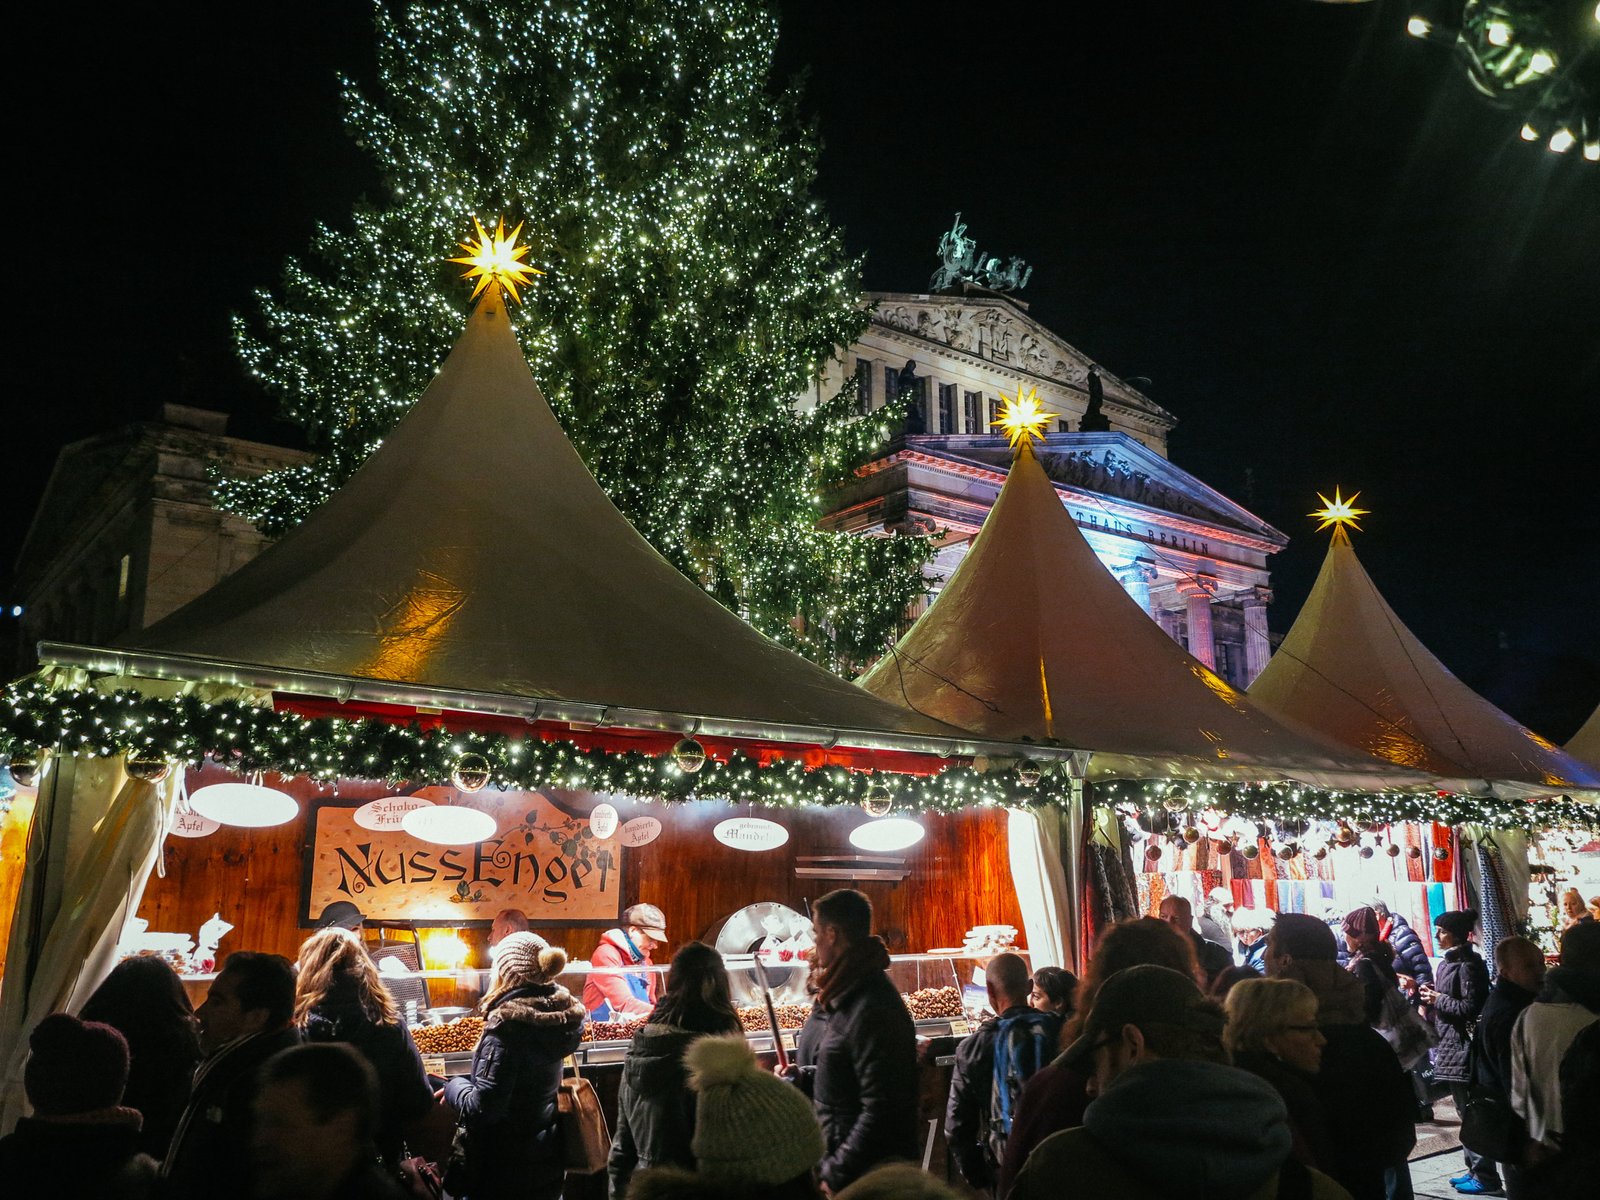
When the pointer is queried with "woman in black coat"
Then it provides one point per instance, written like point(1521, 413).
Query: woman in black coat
point(655, 1108)
point(143, 999)
point(507, 1142)
point(1456, 1001)
point(340, 997)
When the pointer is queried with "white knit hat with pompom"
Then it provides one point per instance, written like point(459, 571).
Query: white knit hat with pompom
point(524, 958)
point(750, 1126)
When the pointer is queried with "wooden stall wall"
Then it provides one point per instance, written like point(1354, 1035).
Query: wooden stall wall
point(959, 875)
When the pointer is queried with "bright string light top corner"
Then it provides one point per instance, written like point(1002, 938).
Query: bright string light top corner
point(1339, 511)
point(497, 259)
point(1023, 417)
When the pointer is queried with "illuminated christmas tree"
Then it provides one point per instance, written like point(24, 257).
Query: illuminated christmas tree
point(693, 287)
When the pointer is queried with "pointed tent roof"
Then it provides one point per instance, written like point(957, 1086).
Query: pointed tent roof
point(1351, 666)
point(1032, 638)
point(474, 551)
point(1585, 744)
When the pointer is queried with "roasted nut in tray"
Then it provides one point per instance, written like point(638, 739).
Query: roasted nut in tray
point(455, 1037)
point(930, 1003)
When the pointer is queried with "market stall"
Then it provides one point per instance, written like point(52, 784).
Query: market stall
point(469, 637)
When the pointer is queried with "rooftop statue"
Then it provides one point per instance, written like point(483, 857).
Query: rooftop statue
point(960, 261)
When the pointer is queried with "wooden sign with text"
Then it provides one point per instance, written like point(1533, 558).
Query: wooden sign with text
point(549, 865)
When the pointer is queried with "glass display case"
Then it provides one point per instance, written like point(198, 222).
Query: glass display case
point(944, 993)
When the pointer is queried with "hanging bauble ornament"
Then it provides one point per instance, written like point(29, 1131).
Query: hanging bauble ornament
point(1152, 852)
point(877, 801)
point(1028, 772)
point(470, 773)
point(25, 765)
point(1413, 851)
point(1392, 850)
point(1440, 853)
point(1191, 835)
point(1251, 851)
point(1346, 836)
point(1321, 853)
point(689, 756)
point(1292, 850)
point(148, 767)
point(1366, 852)
point(1374, 826)
point(1174, 803)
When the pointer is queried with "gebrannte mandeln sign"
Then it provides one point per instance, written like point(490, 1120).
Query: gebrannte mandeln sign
point(542, 861)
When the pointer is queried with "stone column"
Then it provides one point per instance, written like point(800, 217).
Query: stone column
point(1197, 593)
point(1137, 577)
point(1257, 646)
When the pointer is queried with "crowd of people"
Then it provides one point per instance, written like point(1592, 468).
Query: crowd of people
point(1170, 1069)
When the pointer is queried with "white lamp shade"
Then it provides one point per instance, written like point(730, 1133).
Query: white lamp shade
point(449, 825)
point(246, 804)
point(889, 833)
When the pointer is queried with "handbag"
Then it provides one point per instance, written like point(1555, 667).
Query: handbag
point(585, 1139)
point(1407, 1033)
point(1491, 1127)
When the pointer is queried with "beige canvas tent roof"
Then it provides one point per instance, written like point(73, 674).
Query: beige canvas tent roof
point(1585, 744)
point(474, 551)
point(1350, 665)
point(1033, 638)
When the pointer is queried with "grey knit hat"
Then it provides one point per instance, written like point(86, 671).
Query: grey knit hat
point(751, 1127)
point(524, 958)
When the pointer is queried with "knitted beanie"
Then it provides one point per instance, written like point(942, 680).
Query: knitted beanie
point(1459, 923)
point(76, 1066)
point(751, 1127)
point(524, 958)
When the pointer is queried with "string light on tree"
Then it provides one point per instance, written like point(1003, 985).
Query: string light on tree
point(694, 286)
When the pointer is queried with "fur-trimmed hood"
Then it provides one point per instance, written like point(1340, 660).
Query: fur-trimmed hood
point(541, 1006)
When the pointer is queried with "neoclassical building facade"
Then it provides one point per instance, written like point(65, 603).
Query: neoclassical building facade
point(1193, 559)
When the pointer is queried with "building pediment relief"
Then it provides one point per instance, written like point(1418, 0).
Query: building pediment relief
point(1117, 466)
point(994, 330)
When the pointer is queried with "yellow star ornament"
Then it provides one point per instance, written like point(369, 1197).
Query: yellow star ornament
point(1339, 511)
point(1023, 417)
point(497, 259)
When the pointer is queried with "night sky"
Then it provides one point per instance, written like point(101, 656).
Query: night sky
point(1336, 263)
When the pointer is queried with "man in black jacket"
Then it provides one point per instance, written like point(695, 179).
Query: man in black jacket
point(247, 1017)
point(1520, 966)
point(856, 1057)
point(977, 1118)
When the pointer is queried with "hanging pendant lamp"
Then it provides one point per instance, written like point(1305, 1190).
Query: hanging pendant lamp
point(449, 825)
point(886, 834)
point(247, 805)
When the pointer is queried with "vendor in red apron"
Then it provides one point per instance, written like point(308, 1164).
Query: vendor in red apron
point(613, 994)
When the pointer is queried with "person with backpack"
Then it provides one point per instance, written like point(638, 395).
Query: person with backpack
point(991, 1066)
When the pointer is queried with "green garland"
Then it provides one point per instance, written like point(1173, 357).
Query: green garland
point(248, 737)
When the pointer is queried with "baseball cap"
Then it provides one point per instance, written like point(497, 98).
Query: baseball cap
point(341, 914)
point(1144, 996)
point(648, 918)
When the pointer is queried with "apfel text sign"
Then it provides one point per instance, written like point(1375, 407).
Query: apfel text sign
point(549, 865)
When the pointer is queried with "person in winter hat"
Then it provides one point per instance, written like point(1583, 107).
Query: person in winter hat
point(610, 992)
point(508, 1140)
point(1455, 1004)
point(754, 1135)
point(80, 1141)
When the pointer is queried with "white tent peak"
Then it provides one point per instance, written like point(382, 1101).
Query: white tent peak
point(473, 550)
point(1033, 638)
point(1350, 665)
point(1585, 744)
